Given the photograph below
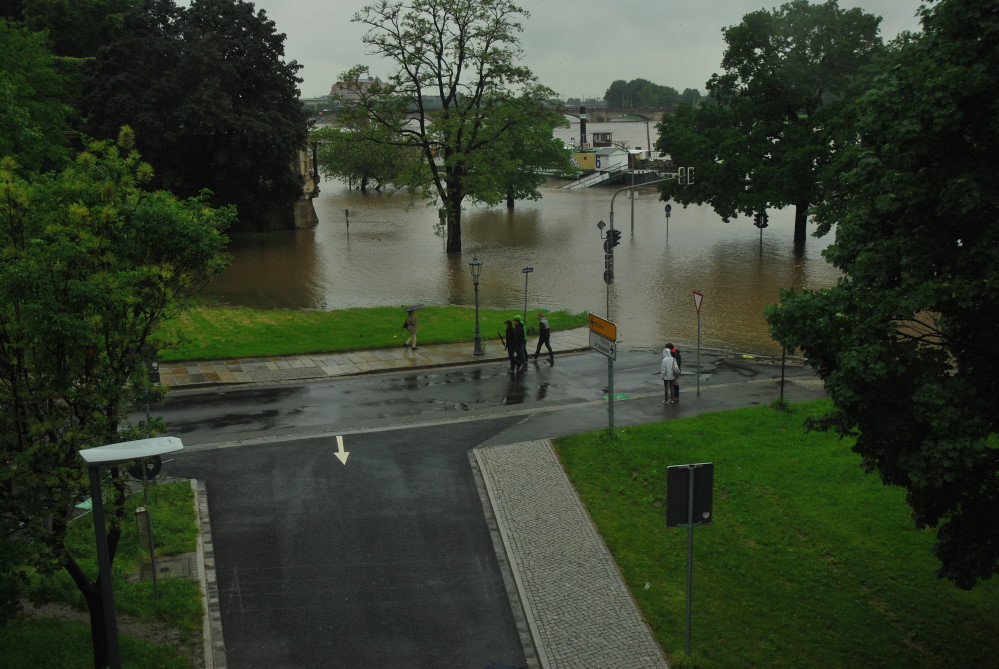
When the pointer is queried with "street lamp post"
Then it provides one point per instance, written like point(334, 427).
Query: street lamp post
point(94, 459)
point(476, 267)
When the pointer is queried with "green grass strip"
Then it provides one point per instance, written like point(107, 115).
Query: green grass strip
point(221, 333)
point(809, 562)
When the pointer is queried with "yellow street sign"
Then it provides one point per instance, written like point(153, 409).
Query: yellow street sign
point(603, 327)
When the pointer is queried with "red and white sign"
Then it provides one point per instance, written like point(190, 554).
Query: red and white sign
point(697, 301)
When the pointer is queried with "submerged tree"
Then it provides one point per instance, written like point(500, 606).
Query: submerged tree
point(464, 56)
point(905, 342)
point(769, 134)
point(90, 264)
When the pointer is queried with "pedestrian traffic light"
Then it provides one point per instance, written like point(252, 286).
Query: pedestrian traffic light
point(615, 237)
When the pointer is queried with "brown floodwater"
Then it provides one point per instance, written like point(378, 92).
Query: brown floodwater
point(390, 255)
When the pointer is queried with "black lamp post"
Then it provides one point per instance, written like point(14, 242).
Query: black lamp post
point(476, 266)
point(94, 459)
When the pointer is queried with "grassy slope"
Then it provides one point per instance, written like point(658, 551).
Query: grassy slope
point(809, 562)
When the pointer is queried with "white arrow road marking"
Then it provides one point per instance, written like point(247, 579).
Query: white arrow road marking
point(340, 453)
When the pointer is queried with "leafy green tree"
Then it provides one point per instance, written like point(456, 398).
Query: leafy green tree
point(77, 28)
point(90, 264)
point(616, 94)
point(350, 155)
point(787, 73)
point(466, 55)
point(33, 114)
point(905, 342)
point(212, 101)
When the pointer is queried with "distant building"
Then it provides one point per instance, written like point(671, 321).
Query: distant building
point(352, 91)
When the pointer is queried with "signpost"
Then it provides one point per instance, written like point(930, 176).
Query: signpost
point(603, 339)
point(527, 271)
point(688, 503)
point(697, 307)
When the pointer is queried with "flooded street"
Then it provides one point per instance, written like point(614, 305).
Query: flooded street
point(390, 255)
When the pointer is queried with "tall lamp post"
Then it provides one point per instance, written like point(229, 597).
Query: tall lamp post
point(94, 459)
point(476, 267)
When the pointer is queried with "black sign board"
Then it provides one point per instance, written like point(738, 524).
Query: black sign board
point(682, 508)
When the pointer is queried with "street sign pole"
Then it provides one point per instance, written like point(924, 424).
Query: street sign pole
point(603, 339)
point(527, 271)
point(697, 306)
point(689, 489)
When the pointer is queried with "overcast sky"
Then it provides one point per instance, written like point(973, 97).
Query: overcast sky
point(576, 47)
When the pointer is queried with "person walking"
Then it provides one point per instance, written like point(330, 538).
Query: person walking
point(510, 345)
point(679, 364)
point(518, 326)
point(411, 326)
point(668, 372)
point(544, 337)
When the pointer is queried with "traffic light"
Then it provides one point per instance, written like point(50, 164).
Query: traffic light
point(615, 237)
point(760, 220)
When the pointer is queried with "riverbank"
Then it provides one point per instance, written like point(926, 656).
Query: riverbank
point(227, 333)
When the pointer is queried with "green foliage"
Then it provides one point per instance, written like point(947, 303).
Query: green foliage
point(212, 102)
point(77, 28)
point(47, 642)
point(905, 341)
point(364, 156)
point(220, 333)
point(90, 264)
point(33, 112)
point(808, 561)
point(643, 94)
point(464, 55)
point(764, 141)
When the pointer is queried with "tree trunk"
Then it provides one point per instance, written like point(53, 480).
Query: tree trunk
point(91, 592)
point(800, 221)
point(509, 198)
point(453, 208)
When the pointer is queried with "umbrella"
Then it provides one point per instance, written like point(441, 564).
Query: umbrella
point(415, 307)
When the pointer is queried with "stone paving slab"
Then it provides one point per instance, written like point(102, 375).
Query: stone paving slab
point(578, 607)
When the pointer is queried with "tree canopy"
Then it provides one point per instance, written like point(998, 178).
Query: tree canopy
point(905, 342)
point(786, 73)
point(33, 113)
point(211, 99)
point(466, 55)
point(643, 94)
point(90, 263)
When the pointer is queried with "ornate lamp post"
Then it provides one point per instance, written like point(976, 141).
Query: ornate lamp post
point(476, 267)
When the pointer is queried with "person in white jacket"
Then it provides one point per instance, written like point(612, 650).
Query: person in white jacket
point(669, 371)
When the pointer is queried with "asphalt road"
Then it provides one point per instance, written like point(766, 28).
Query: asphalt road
point(387, 561)
point(382, 562)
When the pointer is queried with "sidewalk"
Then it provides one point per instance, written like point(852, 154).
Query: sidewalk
point(176, 375)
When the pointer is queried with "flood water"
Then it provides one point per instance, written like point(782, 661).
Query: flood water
point(390, 255)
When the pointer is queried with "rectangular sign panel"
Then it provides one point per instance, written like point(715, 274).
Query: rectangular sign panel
point(679, 512)
point(603, 327)
point(603, 345)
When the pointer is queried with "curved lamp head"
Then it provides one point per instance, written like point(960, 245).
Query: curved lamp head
point(127, 451)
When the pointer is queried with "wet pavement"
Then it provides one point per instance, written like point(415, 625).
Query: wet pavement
point(567, 594)
point(277, 369)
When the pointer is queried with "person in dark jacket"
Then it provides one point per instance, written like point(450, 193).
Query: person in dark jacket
point(544, 337)
point(510, 345)
point(521, 337)
point(679, 364)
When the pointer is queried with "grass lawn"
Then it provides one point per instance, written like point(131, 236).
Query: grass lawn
point(809, 562)
point(220, 333)
point(177, 614)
